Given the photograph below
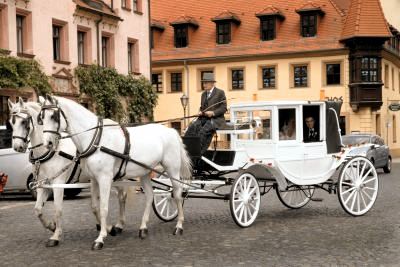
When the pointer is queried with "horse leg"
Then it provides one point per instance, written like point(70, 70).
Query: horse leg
point(104, 183)
point(58, 195)
point(41, 198)
point(148, 192)
point(179, 203)
point(94, 190)
point(122, 194)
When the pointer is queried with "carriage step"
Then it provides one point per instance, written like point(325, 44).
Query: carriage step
point(317, 199)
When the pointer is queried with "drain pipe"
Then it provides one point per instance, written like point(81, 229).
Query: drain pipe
point(98, 38)
point(187, 85)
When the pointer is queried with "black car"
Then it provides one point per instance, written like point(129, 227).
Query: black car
point(371, 146)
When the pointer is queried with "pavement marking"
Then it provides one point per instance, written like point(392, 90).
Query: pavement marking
point(16, 205)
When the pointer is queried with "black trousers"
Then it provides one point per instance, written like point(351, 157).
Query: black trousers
point(203, 128)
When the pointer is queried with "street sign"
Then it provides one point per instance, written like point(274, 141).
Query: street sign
point(394, 107)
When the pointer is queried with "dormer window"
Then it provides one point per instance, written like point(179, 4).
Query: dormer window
point(309, 15)
point(224, 23)
point(268, 20)
point(181, 36)
point(181, 30)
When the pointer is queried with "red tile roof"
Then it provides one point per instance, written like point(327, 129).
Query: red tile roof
point(246, 37)
point(227, 15)
point(365, 18)
point(270, 11)
point(185, 20)
point(96, 6)
point(309, 6)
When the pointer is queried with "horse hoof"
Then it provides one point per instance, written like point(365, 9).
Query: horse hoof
point(143, 233)
point(97, 246)
point(98, 227)
point(178, 231)
point(115, 231)
point(51, 243)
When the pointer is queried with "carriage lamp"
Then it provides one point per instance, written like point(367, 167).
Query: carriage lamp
point(184, 102)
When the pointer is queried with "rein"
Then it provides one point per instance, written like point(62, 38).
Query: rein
point(27, 121)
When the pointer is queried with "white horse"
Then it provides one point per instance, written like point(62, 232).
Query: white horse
point(152, 144)
point(25, 128)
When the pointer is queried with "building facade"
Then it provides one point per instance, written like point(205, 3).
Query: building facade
point(64, 34)
point(278, 50)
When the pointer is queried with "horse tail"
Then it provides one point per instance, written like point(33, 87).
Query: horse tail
point(186, 163)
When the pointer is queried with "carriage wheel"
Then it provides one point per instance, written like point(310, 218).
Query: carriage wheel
point(245, 200)
point(358, 186)
point(296, 196)
point(164, 206)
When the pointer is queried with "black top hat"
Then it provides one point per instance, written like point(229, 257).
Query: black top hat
point(208, 77)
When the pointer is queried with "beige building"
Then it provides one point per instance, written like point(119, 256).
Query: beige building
point(277, 50)
point(63, 34)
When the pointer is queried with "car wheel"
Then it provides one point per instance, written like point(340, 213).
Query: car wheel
point(388, 167)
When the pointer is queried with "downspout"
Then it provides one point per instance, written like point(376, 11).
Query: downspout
point(187, 85)
point(112, 5)
point(150, 33)
point(98, 38)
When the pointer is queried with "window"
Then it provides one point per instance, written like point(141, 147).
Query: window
point(257, 121)
point(332, 74)
point(4, 109)
point(237, 80)
point(378, 124)
point(268, 77)
point(202, 74)
point(81, 47)
point(105, 45)
point(156, 80)
point(124, 4)
point(392, 78)
point(176, 82)
point(386, 76)
point(342, 125)
point(300, 76)
point(308, 25)
point(224, 32)
point(20, 34)
point(267, 28)
point(287, 124)
point(181, 36)
point(177, 126)
point(137, 6)
point(56, 42)
point(394, 129)
point(369, 69)
point(130, 55)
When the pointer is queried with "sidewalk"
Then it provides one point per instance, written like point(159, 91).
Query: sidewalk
point(396, 160)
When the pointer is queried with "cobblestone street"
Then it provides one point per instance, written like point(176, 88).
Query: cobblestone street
point(319, 234)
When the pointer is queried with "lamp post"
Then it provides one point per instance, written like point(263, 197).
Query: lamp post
point(184, 102)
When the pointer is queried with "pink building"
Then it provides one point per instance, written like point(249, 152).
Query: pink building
point(63, 34)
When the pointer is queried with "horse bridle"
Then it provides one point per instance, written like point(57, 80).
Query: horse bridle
point(56, 117)
point(26, 120)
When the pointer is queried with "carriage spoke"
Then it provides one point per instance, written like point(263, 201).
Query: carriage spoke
point(163, 208)
point(349, 197)
point(354, 200)
point(162, 201)
point(363, 169)
point(245, 213)
point(366, 175)
point(370, 188)
point(168, 204)
point(249, 212)
point(369, 180)
point(239, 206)
point(241, 213)
point(348, 190)
point(358, 170)
point(370, 198)
point(362, 198)
point(358, 201)
point(349, 184)
point(252, 191)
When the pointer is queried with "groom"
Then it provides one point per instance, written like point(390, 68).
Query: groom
point(211, 115)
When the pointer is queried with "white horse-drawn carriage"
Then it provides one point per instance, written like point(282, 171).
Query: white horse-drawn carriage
point(258, 155)
point(261, 159)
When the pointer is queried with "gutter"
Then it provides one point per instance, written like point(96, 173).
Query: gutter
point(187, 85)
point(150, 33)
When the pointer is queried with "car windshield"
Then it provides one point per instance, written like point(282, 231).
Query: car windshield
point(355, 139)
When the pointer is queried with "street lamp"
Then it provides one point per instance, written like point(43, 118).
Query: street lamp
point(184, 102)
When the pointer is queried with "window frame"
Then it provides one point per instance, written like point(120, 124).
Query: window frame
point(57, 33)
point(105, 47)
point(263, 78)
point(368, 70)
point(301, 85)
point(308, 29)
point(158, 84)
point(181, 36)
point(235, 83)
point(81, 46)
point(267, 28)
point(225, 33)
point(176, 83)
point(20, 32)
point(327, 80)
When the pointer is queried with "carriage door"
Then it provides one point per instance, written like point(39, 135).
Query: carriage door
point(289, 149)
point(316, 160)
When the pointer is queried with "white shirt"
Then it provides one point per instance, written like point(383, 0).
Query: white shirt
point(210, 92)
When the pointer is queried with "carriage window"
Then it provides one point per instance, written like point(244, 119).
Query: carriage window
point(311, 124)
point(287, 124)
point(258, 122)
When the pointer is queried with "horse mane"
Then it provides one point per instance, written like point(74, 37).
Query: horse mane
point(33, 105)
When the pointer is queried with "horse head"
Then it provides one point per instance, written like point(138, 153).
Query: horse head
point(21, 123)
point(54, 122)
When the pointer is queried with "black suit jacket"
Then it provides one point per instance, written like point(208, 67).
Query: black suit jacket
point(216, 103)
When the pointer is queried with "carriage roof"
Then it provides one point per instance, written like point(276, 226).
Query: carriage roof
point(256, 104)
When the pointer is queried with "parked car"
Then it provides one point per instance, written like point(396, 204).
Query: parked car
point(16, 165)
point(371, 146)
